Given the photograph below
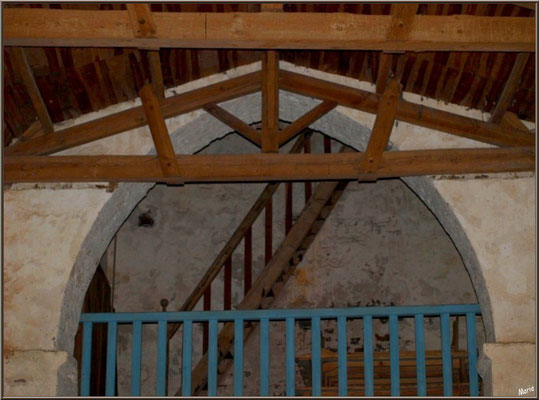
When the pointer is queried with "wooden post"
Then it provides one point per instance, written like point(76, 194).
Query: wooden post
point(382, 127)
point(270, 102)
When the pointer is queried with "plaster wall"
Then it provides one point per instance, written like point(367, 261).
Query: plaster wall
point(89, 229)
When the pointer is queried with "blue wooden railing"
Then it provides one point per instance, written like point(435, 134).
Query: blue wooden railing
point(290, 317)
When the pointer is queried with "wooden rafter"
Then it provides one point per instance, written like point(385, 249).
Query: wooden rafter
point(160, 135)
point(266, 167)
point(270, 102)
point(305, 120)
point(234, 122)
point(265, 30)
point(407, 112)
point(134, 118)
point(33, 90)
point(385, 118)
point(510, 88)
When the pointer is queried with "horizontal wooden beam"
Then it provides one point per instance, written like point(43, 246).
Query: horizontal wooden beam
point(407, 112)
point(266, 167)
point(134, 117)
point(112, 28)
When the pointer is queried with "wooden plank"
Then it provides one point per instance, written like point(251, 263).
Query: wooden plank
point(156, 73)
point(141, 20)
point(270, 102)
point(134, 117)
point(305, 120)
point(234, 122)
point(383, 125)
point(510, 88)
point(33, 90)
point(407, 112)
point(160, 135)
point(265, 30)
point(266, 167)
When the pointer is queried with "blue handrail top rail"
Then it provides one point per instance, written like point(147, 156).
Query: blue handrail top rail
point(280, 314)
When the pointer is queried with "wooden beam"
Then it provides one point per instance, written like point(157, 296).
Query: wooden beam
point(32, 131)
point(266, 167)
point(141, 20)
point(305, 120)
point(234, 122)
point(402, 18)
point(510, 120)
point(33, 90)
point(134, 117)
point(383, 125)
point(270, 102)
point(383, 72)
point(265, 30)
point(160, 135)
point(510, 88)
point(407, 112)
point(156, 73)
point(400, 28)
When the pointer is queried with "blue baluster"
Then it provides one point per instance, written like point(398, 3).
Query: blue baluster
point(472, 353)
point(316, 359)
point(368, 356)
point(136, 354)
point(446, 355)
point(212, 358)
point(161, 358)
point(394, 354)
point(420, 355)
point(110, 385)
point(238, 357)
point(342, 362)
point(290, 357)
point(86, 368)
point(186, 359)
point(264, 357)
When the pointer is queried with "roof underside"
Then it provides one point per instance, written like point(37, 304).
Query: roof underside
point(75, 81)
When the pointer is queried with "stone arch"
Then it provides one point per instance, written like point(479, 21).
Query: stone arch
point(199, 133)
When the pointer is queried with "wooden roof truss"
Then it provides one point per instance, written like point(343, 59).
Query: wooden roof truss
point(29, 159)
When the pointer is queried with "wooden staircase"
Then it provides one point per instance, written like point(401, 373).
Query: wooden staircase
point(279, 265)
